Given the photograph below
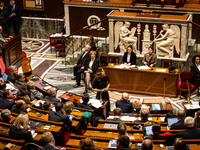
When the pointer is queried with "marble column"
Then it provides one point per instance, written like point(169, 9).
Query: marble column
point(67, 23)
point(184, 40)
point(111, 35)
point(190, 28)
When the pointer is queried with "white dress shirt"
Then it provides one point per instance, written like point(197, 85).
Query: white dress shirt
point(128, 58)
point(91, 63)
point(198, 66)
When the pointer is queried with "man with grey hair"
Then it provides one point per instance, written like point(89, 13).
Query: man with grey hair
point(6, 115)
point(191, 132)
point(124, 104)
point(12, 77)
point(180, 124)
point(52, 95)
point(163, 108)
point(79, 66)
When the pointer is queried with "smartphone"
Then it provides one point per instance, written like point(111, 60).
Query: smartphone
point(4, 131)
point(40, 114)
point(44, 82)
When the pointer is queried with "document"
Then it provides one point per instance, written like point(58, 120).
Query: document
point(110, 125)
point(125, 118)
point(110, 117)
point(143, 67)
point(160, 70)
point(95, 103)
point(188, 106)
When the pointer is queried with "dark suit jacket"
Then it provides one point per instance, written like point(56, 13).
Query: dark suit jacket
point(93, 46)
point(160, 111)
point(153, 137)
point(63, 30)
point(14, 109)
point(12, 78)
point(178, 125)
point(196, 74)
point(190, 133)
point(95, 65)
point(21, 85)
point(59, 117)
point(51, 98)
point(17, 12)
point(150, 59)
point(5, 103)
point(83, 106)
point(48, 147)
point(82, 60)
point(132, 59)
point(4, 14)
point(127, 107)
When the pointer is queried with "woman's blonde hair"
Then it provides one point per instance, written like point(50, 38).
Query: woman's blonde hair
point(93, 52)
point(21, 121)
point(27, 100)
point(30, 84)
point(137, 105)
point(68, 107)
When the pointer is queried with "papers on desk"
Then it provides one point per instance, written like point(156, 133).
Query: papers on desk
point(10, 86)
point(47, 87)
point(156, 106)
point(162, 119)
point(33, 133)
point(56, 35)
point(193, 106)
point(110, 117)
point(143, 67)
point(128, 118)
point(95, 103)
point(160, 70)
point(110, 126)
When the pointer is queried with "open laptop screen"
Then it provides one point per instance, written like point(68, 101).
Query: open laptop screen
point(5, 77)
point(171, 121)
point(148, 130)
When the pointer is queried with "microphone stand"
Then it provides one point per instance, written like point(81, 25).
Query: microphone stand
point(164, 87)
point(188, 90)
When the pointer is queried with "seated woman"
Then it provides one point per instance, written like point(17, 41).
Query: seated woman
point(150, 58)
point(20, 129)
point(20, 82)
point(90, 69)
point(137, 106)
point(129, 57)
point(35, 94)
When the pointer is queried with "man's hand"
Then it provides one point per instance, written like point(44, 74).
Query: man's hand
point(9, 145)
point(6, 41)
point(125, 63)
point(151, 65)
point(74, 65)
point(62, 148)
point(90, 71)
point(145, 63)
point(28, 109)
point(82, 67)
point(61, 33)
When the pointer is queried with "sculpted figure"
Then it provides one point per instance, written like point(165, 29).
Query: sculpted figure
point(167, 42)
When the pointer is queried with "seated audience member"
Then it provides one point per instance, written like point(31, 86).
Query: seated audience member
point(123, 142)
point(79, 66)
point(12, 77)
point(8, 146)
point(150, 58)
point(179, 144)
point(195, 69)
point(121, 128)
point(35, 94)
point(59, 115)
point(49, 142)
point(6, 115)
point(163, 107)
point(28, 102)
point(180, 124)
point(191, 132)
point(169, 115)
point(5, 102)
point(129, 57)
point(88, 144)
point(156, 133)
point(2, 87)
point(117, 114)
point(20, 129)
point(52, 95)
point(19, 107)
point(90, 69)
point(144, 114)
point(137, 106)
point(147, 145)
point(124, 104)
point(90, 41)
point(46, 105)
point(85, 99)
point(20, 82)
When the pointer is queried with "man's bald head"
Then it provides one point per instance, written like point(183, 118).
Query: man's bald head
point(125, 96)
point(181, 114)
point(147, 145)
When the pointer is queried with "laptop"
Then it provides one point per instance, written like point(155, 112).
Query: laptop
point(5, 77)
point(171, 121)
point(148, 130)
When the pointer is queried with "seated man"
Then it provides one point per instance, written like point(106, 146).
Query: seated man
point(20, 82)
point(144, 114)
point(85, 99)
point(19, 107)
point(123, 142)
point(180, 124)
point(124, 104)
point(35, 94)
point(156, 133)
point(195, 69)
point(12, 77)
point(163, 107)
point(150, 58)
point(59, 115)
point(6, 115)
point(191, 132)
point(49, 142)
point(52, 95)
point(147, 145)
point(117, 114)
point(46, 105)
point(2, 87)
point(137, 106)
point(5, 102)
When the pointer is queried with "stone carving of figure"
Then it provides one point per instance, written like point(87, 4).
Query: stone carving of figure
point(167, 42)
point(125, 36)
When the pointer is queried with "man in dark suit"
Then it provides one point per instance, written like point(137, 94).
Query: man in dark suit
point(12, 77)
point(195, 69)
point(2, 87)
point(52, 95)
point(79, 66)
point(117, 114)
point(147, 145)
point(90, 41)
point(144, 114)
point(5, 17)
point(6, 115)
point(163, 108)
point(64, 27)
point(85, 99)
point(20, 107)
point(5, 102)
point(124, 104)
point(59, 115)
point(191, 132)
point(180, 124)
point(123, 142)
point(15, 15)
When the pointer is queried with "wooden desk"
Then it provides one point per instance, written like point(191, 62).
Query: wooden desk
point(142, 81)
point(12, 51)
point(190, 111)
point(58, 38)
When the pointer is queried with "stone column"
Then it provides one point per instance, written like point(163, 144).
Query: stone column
point(67, 23)
point(190, 28)
point(111, 35)
point(184, 40)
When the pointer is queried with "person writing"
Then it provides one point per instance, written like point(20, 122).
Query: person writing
point(150, 58)
point(129, 57)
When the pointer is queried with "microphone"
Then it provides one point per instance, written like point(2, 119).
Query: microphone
point(164, 87)
point(188, 90)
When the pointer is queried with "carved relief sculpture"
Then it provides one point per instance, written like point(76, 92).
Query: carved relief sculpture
point(125, 36)
point(166, 43)
point(146, 39)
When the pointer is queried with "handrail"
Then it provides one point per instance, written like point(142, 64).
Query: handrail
point(195, 23)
